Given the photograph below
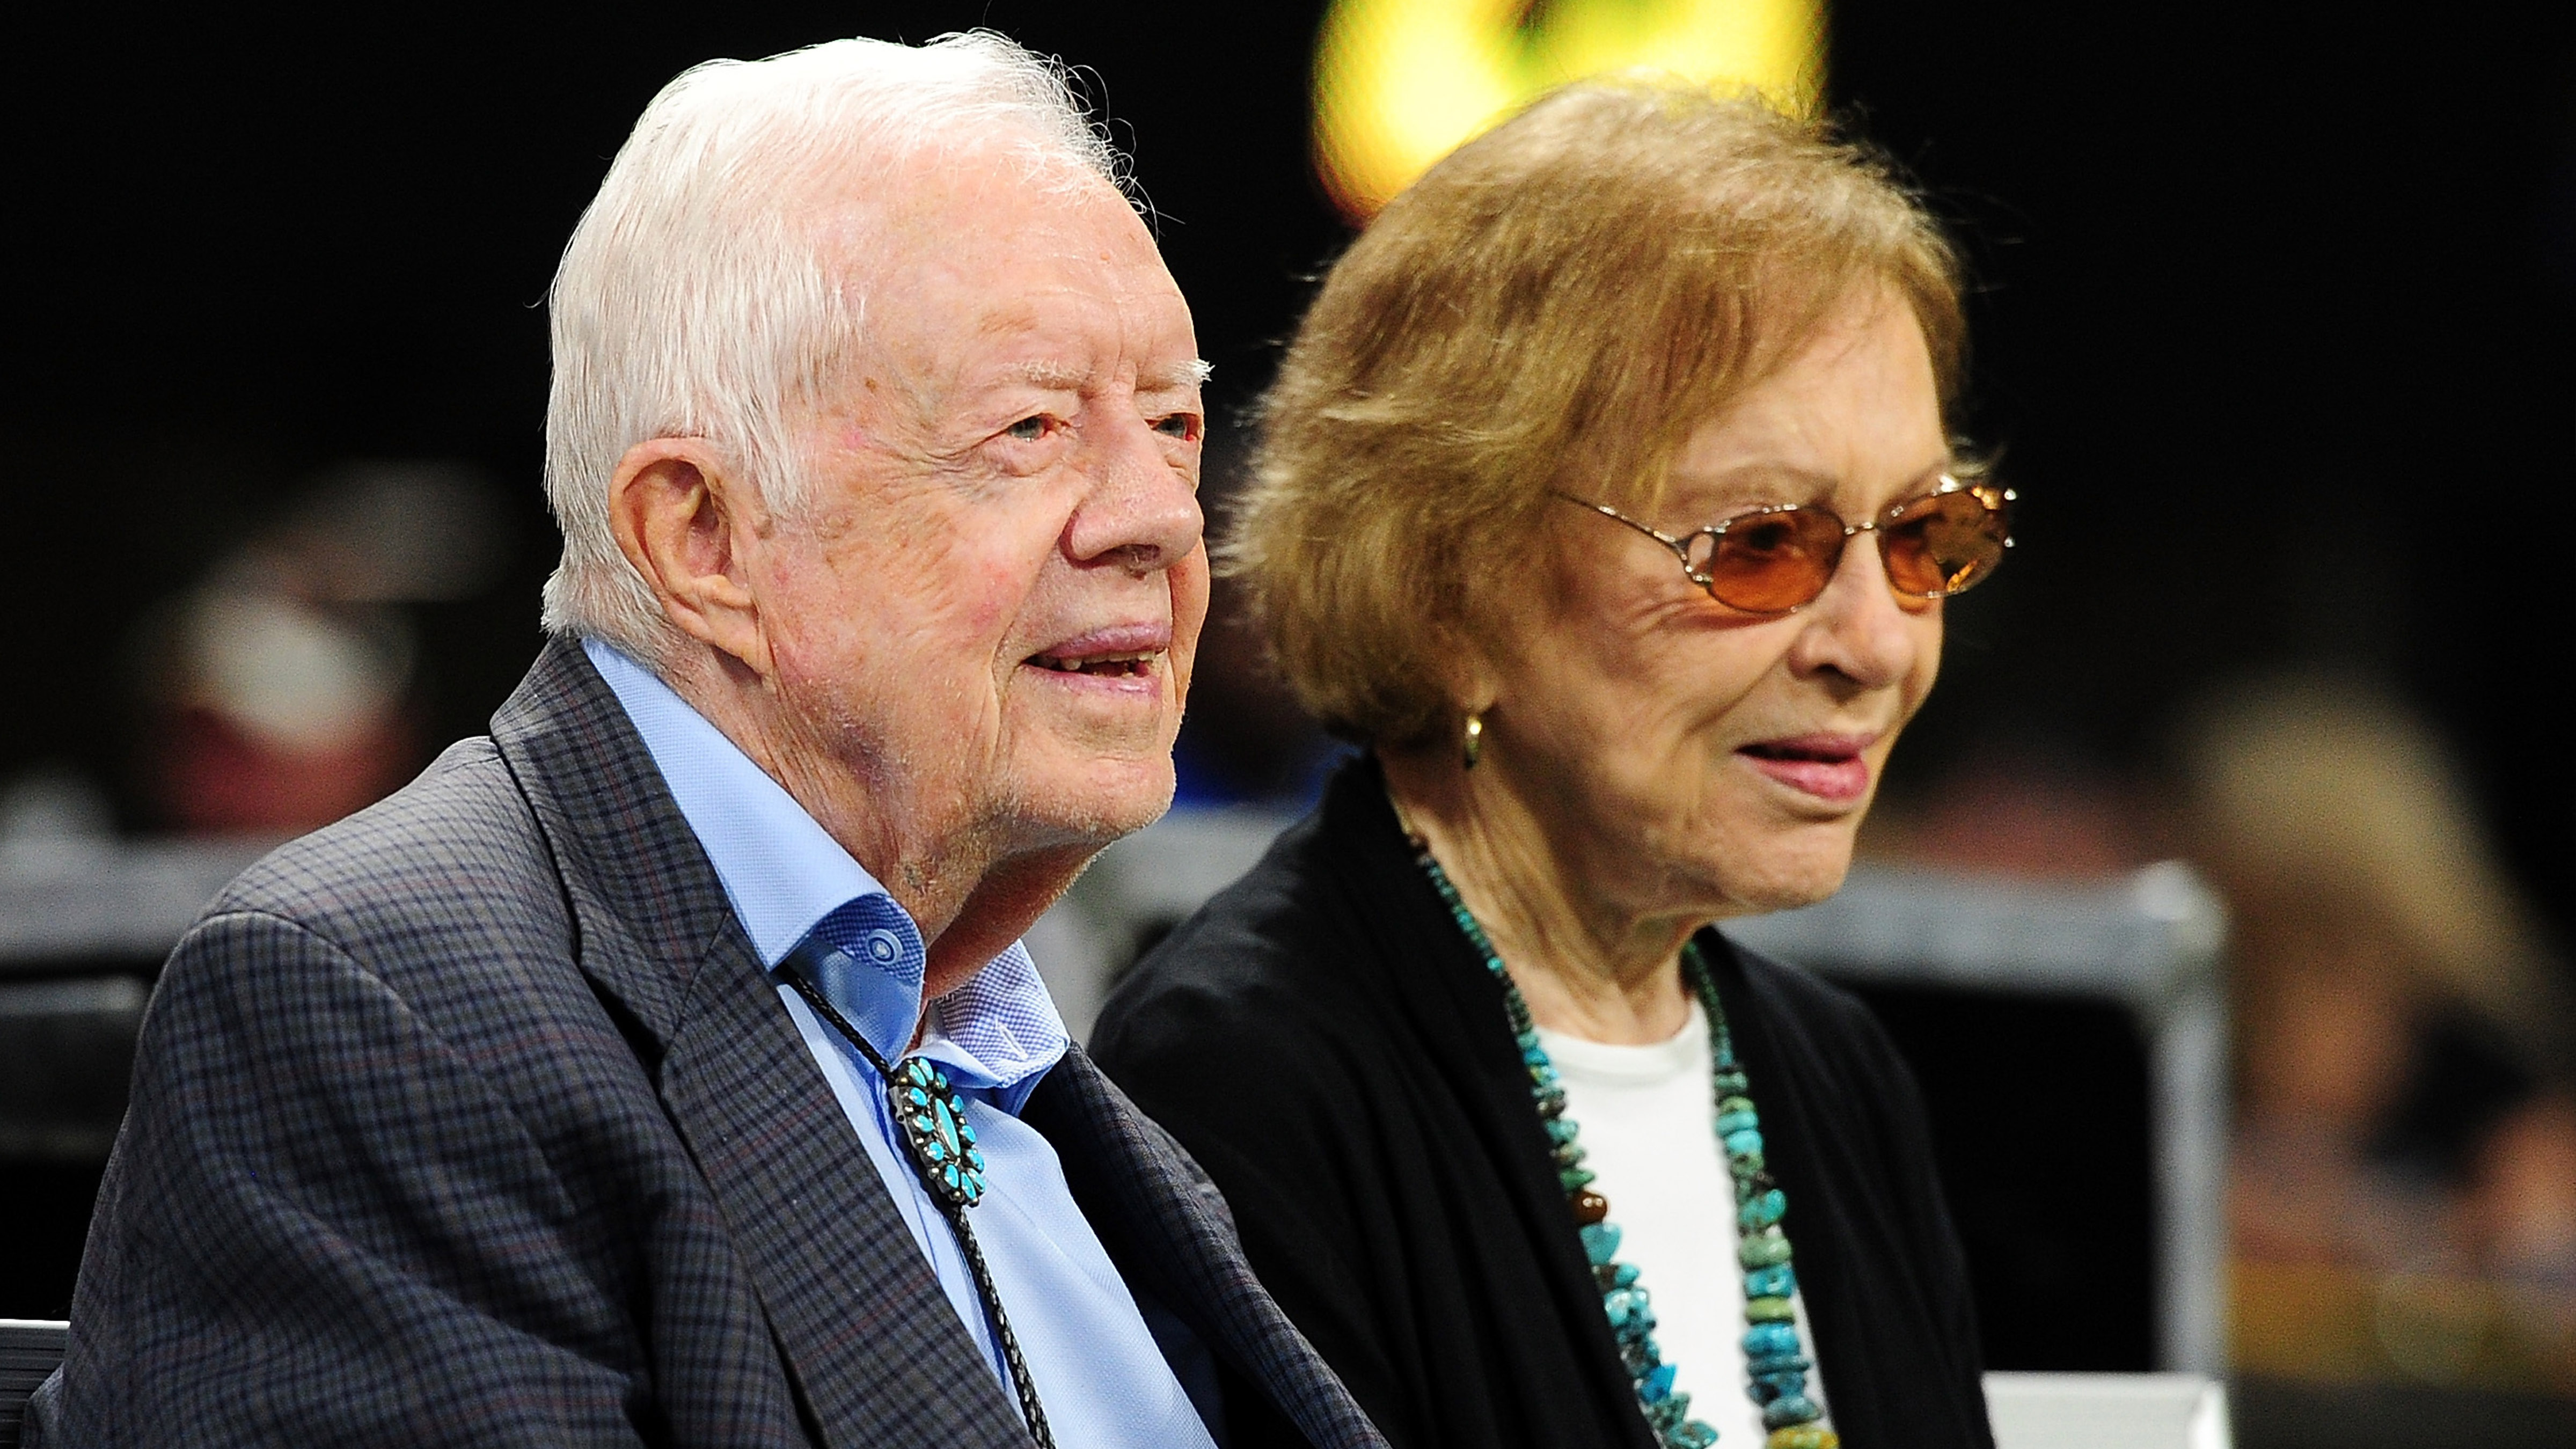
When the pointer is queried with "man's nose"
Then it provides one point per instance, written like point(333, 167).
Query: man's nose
point(1141, 510)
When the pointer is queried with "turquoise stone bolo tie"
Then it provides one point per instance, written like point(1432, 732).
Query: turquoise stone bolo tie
point(935, 1128)
point(941, 1143)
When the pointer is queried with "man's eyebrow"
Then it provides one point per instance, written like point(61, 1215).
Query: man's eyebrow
point(1052, 376)
point(1062, 377)
point(1189, 374)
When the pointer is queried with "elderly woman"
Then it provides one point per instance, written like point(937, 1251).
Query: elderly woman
point(1605, 496)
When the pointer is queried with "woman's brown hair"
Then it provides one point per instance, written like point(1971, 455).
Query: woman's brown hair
point(1565, 297)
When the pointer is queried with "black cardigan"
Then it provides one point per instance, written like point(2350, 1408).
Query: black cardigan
point(1326, 1043)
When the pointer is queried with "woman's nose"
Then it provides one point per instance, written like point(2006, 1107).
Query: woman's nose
point(1859, 627)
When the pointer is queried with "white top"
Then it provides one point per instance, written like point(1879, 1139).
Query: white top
point(1645, 1116)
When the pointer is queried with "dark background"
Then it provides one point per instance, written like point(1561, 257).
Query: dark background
point(2273, 319)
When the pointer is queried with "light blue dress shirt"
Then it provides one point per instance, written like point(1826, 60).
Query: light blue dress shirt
point(1101, 1374)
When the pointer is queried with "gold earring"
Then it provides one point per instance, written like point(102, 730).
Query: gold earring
point(1475, 738)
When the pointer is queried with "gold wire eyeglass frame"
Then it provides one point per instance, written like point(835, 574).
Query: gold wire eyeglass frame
point(1997, 501)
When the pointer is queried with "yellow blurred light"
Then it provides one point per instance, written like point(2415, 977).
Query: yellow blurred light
point(1400, 83)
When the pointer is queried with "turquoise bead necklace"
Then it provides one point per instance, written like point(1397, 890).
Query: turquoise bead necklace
point(1776, 1372)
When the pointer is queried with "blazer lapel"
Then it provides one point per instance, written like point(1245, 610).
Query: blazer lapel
point(876, 1344)
point(1168, 1229)
point(872, 1343)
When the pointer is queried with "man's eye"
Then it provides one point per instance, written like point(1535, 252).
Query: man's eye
point(1178, 425)
point(1030, 429)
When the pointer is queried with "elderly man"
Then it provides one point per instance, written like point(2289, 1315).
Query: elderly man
point(548, 1101)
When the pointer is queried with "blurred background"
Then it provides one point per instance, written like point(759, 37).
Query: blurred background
point(2273, 320)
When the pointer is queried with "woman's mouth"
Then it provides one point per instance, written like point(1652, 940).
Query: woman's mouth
point(1828, 767)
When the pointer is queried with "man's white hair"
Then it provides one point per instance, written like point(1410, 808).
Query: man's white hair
point(696, 298)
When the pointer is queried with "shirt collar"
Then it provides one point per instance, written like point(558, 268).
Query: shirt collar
point(788, 880)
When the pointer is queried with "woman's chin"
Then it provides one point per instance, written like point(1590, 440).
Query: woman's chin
point(1804, 866)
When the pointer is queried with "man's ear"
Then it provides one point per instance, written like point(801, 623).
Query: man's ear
point(687, 524)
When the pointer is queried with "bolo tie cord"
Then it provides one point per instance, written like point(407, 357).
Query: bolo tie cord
point(952, 1208)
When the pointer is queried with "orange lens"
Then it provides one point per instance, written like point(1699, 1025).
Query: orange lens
point(1770, 563)
point(1945, 543)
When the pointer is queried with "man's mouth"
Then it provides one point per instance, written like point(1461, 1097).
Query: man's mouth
point(1114, 666)
point(1116, 652)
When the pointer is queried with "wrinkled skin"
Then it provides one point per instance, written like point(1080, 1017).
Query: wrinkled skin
point(1649, 754)
point(967, 656)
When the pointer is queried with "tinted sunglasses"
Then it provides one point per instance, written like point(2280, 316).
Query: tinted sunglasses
point(1777, 559)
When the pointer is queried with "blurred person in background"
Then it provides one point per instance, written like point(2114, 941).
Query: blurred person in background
point(2403, 1192)
point(280, 693)
point(665, 1067)
point(1606, 496)
point(274, 713)
point(2023, 803)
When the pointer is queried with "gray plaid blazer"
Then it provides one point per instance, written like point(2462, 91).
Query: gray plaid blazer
point(473, 1119)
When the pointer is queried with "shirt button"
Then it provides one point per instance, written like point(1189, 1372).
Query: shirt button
point(884, 948)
